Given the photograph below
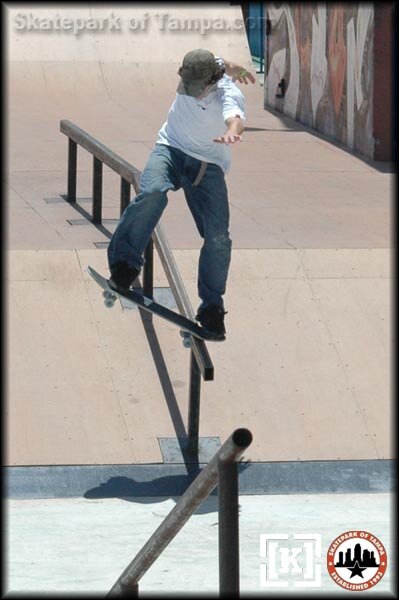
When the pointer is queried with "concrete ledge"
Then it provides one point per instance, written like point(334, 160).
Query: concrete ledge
point(118, 481)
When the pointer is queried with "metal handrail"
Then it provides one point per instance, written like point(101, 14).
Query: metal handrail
point(100, 151)
point(222, 468)
point(200, 362)
point(182, 299)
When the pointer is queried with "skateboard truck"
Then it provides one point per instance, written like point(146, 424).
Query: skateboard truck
point(109, 299)
point(187, 338)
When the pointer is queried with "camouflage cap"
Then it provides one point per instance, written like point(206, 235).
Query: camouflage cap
point(196, 72)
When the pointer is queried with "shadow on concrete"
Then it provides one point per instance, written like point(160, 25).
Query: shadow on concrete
point(163, 375)
point(191, 461)
point(148, 492)
point(263, 129)
point(89, 217)
point(293, 125)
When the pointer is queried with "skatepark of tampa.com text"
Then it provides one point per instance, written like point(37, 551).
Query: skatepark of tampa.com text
point(113, 23)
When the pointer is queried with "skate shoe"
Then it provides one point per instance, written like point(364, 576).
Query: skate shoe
point(212, 319)
point(122, 277)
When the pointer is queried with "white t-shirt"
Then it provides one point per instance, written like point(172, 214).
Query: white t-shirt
point(192, 124)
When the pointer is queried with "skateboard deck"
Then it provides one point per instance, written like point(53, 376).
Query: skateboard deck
point(187, 327)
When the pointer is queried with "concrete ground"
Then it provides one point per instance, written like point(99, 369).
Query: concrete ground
point(78, 545)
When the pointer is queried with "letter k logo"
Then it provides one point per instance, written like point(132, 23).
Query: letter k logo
point(288, 560)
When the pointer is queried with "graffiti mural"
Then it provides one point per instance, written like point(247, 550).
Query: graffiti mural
point(323, 52)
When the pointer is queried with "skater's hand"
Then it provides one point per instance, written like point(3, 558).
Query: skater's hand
point(228, 138)
point(233, 133)
point(238, 72)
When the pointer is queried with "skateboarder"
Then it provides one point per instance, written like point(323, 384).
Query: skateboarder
point(192, 152)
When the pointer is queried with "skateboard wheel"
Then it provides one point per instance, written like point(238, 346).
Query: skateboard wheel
point(109, 301)
point(187, 342)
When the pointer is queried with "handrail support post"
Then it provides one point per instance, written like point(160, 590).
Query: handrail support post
point(148, 271)
point(97, 190)
point(194, 406)
point(125, 195)
point(72, 169)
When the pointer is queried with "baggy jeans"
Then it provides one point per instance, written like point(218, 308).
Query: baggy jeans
point(204, 186)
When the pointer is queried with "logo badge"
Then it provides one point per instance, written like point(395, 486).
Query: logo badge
point(290, 560)
point(356, 560)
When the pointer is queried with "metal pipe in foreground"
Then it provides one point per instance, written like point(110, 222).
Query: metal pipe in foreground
point(229, 554)
point(201, 487)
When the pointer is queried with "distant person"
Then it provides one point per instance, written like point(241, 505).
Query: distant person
point(192, 152)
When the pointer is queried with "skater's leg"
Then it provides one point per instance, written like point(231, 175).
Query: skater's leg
point(208, 203)
point(161, 173)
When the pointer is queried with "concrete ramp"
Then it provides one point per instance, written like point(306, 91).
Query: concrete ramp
point(64, 63)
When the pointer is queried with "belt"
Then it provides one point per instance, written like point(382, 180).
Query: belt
point(201, 173)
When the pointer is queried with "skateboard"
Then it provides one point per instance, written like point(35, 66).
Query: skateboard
point(188, 328)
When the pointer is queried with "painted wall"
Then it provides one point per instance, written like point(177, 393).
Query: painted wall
point(324, 51)
point(385, 81)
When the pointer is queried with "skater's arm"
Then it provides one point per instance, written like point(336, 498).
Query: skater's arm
point(235, 128)
point(233, 109)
